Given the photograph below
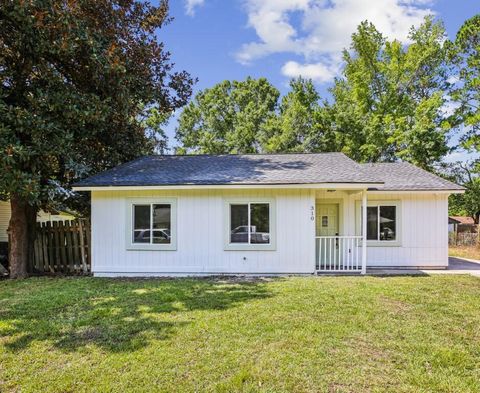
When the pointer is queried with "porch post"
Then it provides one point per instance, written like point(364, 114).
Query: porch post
point(364, 231)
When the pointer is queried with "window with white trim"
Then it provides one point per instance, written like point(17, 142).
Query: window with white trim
point(382, 223)
point(151, 224)
point(250, 225)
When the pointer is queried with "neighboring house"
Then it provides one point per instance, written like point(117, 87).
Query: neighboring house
point(265, 214)
point(460, 224)
point(42, 216)
point(452, 224)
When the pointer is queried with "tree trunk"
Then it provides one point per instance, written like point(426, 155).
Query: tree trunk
point(21, 232)
point(32, 213)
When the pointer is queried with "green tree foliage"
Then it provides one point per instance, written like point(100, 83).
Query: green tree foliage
point(387, 104)
point(154, 121)
point(78, 79)
point(466, 92)
point(467, 204)
point(247, 117)
point(227, 118)
point(300, 123)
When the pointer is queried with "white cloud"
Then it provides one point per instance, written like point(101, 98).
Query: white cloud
point(316, 71)
point(190, 6)
point(269, 18)
point(323, 28)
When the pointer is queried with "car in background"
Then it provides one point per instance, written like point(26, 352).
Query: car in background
point(240, 235)
point(387, 234)
point(159, 236)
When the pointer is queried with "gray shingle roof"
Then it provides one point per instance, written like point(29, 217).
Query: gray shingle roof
point(402, 176)
point(266, 169)
point(234, 169)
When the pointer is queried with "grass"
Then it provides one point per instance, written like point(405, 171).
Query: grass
point(329, 334)
point(470, 252)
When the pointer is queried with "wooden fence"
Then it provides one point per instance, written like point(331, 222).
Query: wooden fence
point(62, 247)
point(462, 239)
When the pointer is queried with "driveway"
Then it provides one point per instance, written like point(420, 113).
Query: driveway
point(463, 266)
point(455, 266)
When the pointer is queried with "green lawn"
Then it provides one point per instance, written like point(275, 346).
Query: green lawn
point(329, 334)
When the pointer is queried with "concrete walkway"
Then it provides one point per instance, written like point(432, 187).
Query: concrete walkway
point(455, 266)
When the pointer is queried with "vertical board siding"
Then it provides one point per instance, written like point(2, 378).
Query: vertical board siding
point(200, 235)
point(5, 213)
point(424, 231)
point(424, 228)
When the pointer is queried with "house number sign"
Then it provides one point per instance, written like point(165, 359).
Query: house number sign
point(312, 213)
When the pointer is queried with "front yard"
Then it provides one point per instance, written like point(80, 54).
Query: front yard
point(330, 334)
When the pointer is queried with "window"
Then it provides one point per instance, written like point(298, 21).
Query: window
point(382, 222)
point(324, 221)
point(387, 222)
point(152, 225)
point(372, 223)
point(249, 225)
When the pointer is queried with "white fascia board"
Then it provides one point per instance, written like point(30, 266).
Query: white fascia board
point(333, 186)
point(416, 191)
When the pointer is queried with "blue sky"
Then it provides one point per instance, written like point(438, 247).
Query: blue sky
point(216, 40)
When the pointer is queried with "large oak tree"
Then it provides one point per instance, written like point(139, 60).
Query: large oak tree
point(78, 78)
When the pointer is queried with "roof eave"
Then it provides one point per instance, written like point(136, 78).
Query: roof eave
point(423, 190)
point(344, 186)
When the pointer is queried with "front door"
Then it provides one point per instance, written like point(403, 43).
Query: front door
point(327, 219)
point(326, 224)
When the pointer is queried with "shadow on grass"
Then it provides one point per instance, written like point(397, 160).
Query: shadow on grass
point(115, 315)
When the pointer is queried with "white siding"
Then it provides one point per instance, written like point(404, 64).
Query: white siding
point(200, 235)
point(200, 240)
point(42, 216)
point(424, 232)
point(4, 220)
point(423, 228)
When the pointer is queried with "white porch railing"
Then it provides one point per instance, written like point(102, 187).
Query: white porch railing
point(339, 253)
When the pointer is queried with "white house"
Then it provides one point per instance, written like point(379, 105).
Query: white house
point(42, 216)
point(265, 214)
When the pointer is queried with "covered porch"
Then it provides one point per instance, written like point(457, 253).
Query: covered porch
point(341, 231)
